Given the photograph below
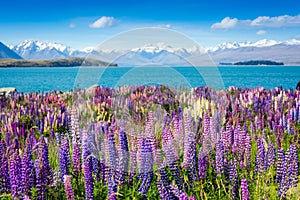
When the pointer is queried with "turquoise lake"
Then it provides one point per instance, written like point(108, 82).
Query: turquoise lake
point(66, 78)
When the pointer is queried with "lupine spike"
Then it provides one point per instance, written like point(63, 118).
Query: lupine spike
point(245, 190)
point(68, 188)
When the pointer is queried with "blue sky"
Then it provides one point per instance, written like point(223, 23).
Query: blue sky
point(88, 23)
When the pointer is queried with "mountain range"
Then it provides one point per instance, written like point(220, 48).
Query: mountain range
point(5, 52)
point(163, 54)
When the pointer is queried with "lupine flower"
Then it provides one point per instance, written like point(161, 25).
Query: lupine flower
point(202, 165)
point(68, 188)
point(4, 176)
point(245, 190)
point(15, 175)
point(85, 145)
point(43, 170)
point(183, 196)
point(112, 187)
point(206, 125)
point(189, 159)
point(294, 166)
point(260, 157)
point(146, 170)
point(248, 149)
point(124, 156)
point(220, 157)
point(88, 179)
point(27, 171)
point(56, 180)
point(64, 157)
point(133, 159)
point(162, 190)
point(76, 158)
point(112, 152)
point(271, 155)
point(233, 179)
point(284, 182)
point(280, 162)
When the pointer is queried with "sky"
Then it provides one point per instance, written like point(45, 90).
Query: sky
point(88, 23)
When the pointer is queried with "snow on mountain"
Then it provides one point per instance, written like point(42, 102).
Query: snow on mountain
point(164, 53)
point(30, 49)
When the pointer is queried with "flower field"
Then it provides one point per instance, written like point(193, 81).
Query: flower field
point(150, 142)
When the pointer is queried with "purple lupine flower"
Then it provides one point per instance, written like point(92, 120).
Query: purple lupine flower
point(15, 175)
point(43, 152)
point(64, 157)
point(85, 145)
point(192, 198)
point(171, 160)
point(133, 159)
point(271, 155)
point(163, 185)
point(88, 178)
point(189, 159)
point(220, 157)
point(76, 158)
point(245, 190)
point(294, 166)
point(206, 125)
point(162, 190)
point(260, 157)
point(280, 162)
point(68, 188)
point(183, 196)
point(4, 176)
point(124, 156)
point(233, 178)
point(202, 165)
point(27, 171)
point(56, 181)
point(112, 187)
point(248, 149)
point(26, 197)
point(146, 167)
point(284, 182)
point(112, 152)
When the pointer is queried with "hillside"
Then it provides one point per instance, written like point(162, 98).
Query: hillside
point(5, 52)
point(65, 62)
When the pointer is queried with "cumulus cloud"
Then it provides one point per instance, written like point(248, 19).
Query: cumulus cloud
point(261, 32)
point(226, 23)
point(104, 22)
point(261, 21)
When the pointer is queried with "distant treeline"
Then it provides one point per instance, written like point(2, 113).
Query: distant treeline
point(63, 62)
point(254, 62)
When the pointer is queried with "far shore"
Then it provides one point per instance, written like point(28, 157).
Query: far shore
point(63, 62)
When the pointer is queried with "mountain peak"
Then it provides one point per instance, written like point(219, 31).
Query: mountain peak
point(6, 52)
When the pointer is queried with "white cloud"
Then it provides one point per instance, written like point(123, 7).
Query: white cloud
point(72, 25)
point(168, 26)
point(163, 26)
point(261, 21)
point(103, 22)
point(226, 23)
point(261, 32)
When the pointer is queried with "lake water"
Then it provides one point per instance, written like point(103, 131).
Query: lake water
point(65, 78)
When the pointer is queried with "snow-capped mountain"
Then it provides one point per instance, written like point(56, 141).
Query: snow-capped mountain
point(5, 52)
point(160, 53)
point(36, 50)
point(260, 43)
